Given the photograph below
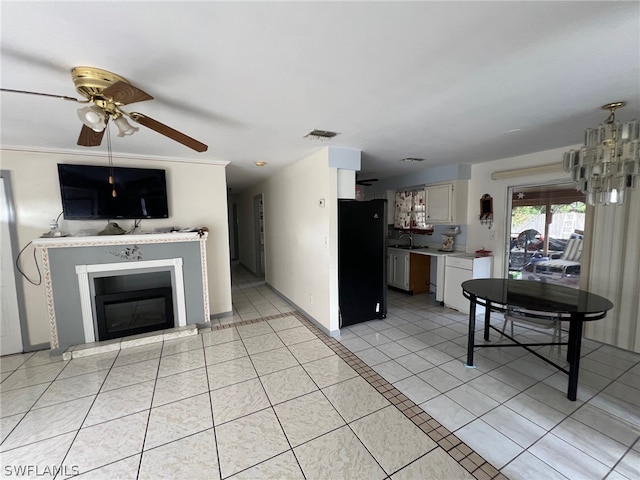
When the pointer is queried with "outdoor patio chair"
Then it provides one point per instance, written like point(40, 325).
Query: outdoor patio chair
point(570, 258)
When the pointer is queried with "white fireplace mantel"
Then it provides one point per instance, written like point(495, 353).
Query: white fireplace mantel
point(75, 260)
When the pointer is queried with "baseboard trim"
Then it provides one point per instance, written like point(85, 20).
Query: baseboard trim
point(215, 316)
point(37, 347)
point(306, 315)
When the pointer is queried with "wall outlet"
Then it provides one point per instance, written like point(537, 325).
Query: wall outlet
point(492, 235)
point(310, 299)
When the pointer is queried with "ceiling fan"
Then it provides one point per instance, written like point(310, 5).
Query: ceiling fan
point(108, 92)
point(367, 182)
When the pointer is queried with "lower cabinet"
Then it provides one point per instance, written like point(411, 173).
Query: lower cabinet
point(398, 269)
point(420, 273)
point(460, 268)
point(408, 271)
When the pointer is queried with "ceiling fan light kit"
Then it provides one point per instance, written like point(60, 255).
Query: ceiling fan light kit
point(93, 117)
point(124, 127)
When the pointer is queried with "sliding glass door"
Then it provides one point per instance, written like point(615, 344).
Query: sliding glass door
point(546, 232)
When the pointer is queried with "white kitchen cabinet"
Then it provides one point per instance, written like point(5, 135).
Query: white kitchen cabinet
point(398, 269)
point(460, 268)
point(439, 200)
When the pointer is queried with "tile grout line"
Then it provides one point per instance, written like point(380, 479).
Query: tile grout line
point(271, 406)
point(213, 422)
point(449, 442)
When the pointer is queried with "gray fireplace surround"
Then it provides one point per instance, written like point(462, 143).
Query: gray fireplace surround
point(70, 265)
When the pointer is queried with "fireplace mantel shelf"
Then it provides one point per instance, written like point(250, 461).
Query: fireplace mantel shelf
point(87, 241)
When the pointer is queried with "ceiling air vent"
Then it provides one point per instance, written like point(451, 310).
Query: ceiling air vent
point(412, 159)
point(320, 134)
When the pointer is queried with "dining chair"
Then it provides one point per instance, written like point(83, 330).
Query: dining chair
point(535, 320)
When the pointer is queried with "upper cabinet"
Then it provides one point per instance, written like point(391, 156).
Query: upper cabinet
point(419, 209)
point(447, 202)
point(439, 200)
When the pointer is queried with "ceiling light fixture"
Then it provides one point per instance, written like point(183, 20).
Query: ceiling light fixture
point(93, 117)
point(320, 134)
point(609, 162)
point(261, 164)
point(124, 127)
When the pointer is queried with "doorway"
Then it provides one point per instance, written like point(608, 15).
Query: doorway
point(547, 226)
point(258, 215)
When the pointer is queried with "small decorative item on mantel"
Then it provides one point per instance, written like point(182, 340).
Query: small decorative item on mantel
point(486, 210)
point(112, 228)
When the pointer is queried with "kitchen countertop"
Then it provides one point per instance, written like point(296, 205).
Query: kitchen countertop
point(464, 255)
point(433, 252)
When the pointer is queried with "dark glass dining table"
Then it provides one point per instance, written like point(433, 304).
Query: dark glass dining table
point(576, 306)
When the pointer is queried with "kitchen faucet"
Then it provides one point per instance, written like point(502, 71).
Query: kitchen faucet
point(407, 235)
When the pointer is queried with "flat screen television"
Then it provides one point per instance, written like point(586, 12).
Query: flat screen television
point(88, 195)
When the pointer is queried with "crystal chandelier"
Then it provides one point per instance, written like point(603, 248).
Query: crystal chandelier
point(609, 162)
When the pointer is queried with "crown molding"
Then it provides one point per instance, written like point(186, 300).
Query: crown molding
point(102, 154)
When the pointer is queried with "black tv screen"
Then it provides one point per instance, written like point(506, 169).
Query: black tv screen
point(88, 195)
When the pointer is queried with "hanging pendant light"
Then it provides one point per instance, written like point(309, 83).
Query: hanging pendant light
point(609, 162)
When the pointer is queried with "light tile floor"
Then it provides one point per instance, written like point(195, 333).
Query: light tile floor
point(275, 399)
point(512, 409)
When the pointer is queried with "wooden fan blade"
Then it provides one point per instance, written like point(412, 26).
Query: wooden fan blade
point(125, 93)
point(63, 97)
point(89, 137)
point(168, 132)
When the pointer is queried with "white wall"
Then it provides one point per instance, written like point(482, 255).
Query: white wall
point(300, 236)
point(197, 197)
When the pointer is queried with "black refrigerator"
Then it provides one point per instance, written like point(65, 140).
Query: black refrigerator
point(362, 260)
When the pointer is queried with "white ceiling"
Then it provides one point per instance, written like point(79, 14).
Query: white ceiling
point(451, 82)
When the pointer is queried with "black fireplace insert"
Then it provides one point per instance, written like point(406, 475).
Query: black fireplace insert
point(130, 313)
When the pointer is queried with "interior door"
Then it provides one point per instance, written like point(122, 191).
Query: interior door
point(10, 332)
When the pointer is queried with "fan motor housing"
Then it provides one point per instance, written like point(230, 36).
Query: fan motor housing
point(91, 81)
